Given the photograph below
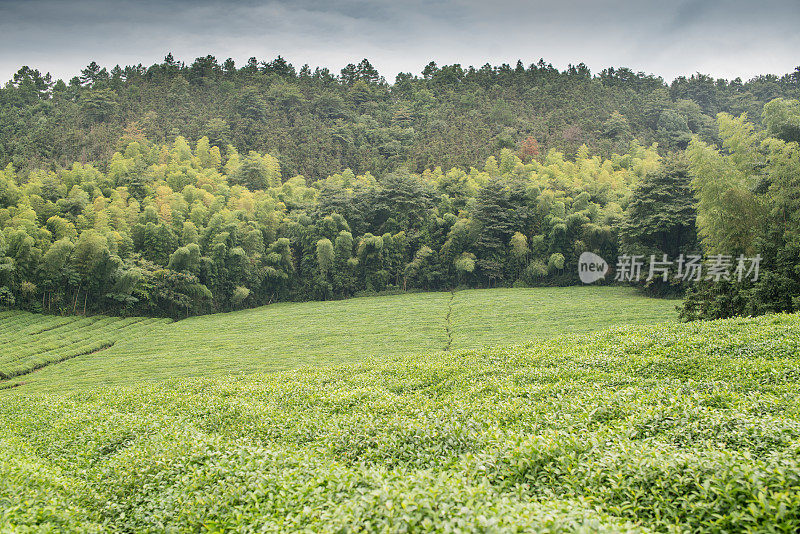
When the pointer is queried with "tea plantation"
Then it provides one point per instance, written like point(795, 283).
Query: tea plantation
point(290, 335)
point(642, 428)
point(30, 342)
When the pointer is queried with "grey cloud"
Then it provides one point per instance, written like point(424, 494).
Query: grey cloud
point(723, 38)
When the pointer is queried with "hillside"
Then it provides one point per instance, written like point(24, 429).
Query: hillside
point(113, 351)
point(320, 122)
point(670, 427)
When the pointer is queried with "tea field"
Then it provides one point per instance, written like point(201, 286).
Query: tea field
point(31, 342)
point(291, 335)
point(645, 428)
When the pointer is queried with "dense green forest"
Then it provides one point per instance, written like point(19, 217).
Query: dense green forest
point(317, 123)
point(177, 190)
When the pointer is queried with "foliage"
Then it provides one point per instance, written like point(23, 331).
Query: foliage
point(321, 123)
point(455, 160)
point(175, 230)
point(748, 195)
point(660, 218)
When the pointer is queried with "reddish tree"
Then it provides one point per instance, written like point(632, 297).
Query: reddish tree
point(529, 149)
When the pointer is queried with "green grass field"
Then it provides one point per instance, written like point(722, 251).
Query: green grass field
point(662, 428)
point(290, 335)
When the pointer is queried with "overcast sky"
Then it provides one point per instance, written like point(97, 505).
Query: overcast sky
point(724, 38)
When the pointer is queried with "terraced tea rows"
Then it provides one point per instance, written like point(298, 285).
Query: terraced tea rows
point(29, 342)
point(291, 335)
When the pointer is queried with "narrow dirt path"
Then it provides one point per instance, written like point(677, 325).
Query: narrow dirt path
point(447, 325)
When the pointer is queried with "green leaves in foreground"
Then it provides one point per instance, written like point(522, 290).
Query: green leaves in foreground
point(663, 428)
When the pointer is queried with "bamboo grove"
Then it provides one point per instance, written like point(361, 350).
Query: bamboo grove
point(175, 229)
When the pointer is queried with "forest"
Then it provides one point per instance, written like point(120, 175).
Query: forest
point(176, 190)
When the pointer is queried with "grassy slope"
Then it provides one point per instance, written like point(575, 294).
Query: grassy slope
point(666, 427)
point(291, 335)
